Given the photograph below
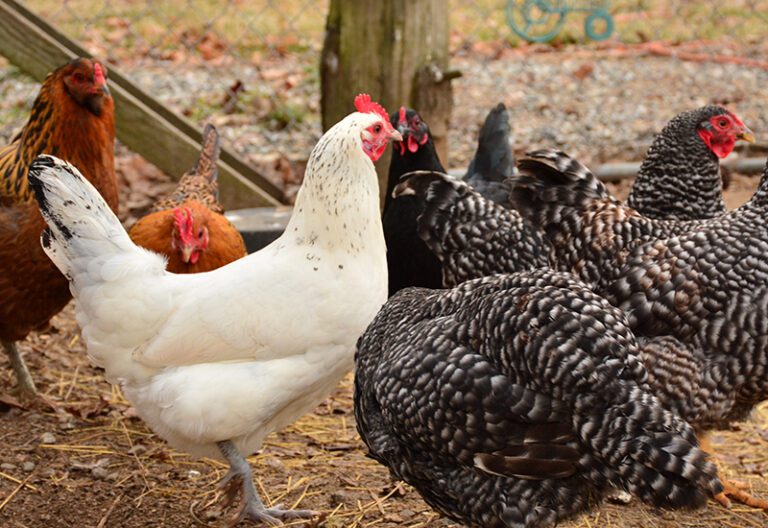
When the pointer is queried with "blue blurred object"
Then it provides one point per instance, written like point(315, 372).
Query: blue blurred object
point(542, 20)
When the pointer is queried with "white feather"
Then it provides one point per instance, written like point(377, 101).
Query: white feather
point(238, 352)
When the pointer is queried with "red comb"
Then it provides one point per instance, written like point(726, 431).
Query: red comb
point(182, 217)
point(401, 116)
point(364, 104)
point(98, 74)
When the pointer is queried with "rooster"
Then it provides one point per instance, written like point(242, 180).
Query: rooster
point(189, 226)
point(409, 261)
point(73, 118)
point(680, 175)
point(215, 361)
point(695, 291)
point(519, 400)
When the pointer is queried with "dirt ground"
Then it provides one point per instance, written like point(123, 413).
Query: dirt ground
point(80, 457)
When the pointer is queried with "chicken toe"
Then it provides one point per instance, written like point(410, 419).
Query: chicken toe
point(734, 491)
point(251, 505)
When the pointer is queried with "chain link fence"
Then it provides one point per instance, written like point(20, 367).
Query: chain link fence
point(252, 68)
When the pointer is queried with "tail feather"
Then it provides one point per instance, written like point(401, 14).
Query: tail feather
point(494, 162)
point(552, 187)
point(209, 154)
point(81, 226)
point(655, 454)
point(472, 236)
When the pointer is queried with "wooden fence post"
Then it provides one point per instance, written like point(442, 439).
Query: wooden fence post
point(380, 47)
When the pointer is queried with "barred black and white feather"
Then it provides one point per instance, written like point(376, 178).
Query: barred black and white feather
point(703, 283)
point(518, 401)
point(471, 236)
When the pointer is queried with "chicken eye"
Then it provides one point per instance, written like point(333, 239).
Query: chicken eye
point(200, 233)
point(377, 129)
point(79, 77)
point(723, 123)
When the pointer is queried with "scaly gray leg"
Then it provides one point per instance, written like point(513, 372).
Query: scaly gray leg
point(27, 389)
point(251, 506)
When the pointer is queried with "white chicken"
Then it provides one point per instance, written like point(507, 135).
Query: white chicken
point(215, 361)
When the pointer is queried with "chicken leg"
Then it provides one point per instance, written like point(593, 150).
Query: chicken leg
point(251, 506)
point(27, 389)
point(732, 489)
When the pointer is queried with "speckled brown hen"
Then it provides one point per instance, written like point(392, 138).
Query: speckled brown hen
point(188, 227)
point(72, 118)
point(696, 292)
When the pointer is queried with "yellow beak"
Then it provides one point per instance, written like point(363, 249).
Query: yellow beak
point(746, 135)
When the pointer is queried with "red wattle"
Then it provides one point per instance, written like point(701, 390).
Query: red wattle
point(413, 145)
point(720, 146)
point(722, 149)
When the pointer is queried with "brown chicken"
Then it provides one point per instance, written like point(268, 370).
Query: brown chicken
point(189, 226)
point(72, 118)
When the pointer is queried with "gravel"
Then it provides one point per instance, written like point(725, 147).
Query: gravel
point(597, 106)
point(47, 438)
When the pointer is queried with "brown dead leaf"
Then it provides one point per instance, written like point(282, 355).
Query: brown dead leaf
point(583, 71)
point(88, 408)
point(10, 401)
point(212, 46)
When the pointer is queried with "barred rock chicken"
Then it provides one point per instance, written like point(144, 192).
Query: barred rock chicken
point(680, 175)
point(475, 238)
point(471, 236)
point(409, 261)
point(73, 118)
point(215, 361)
point(698, 298)
point(189, 226)
point(519, 400)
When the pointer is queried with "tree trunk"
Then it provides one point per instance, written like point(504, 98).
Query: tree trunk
point(395, 50)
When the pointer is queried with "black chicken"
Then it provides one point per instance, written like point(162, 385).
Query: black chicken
point(519, 400)
point(680, 175)
point(698, 298)
point(410, 262)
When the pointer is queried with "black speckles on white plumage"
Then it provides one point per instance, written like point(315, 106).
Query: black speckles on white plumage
point(695, 291)
point(680, 176)
point(519, 400)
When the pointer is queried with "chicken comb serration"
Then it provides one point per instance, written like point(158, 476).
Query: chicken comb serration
point(98, 74)
point(401, 116)
point(363, 103)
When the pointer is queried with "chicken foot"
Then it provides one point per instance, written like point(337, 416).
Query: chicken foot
point(27, 389)
point(732, 489)
point(251, 506)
